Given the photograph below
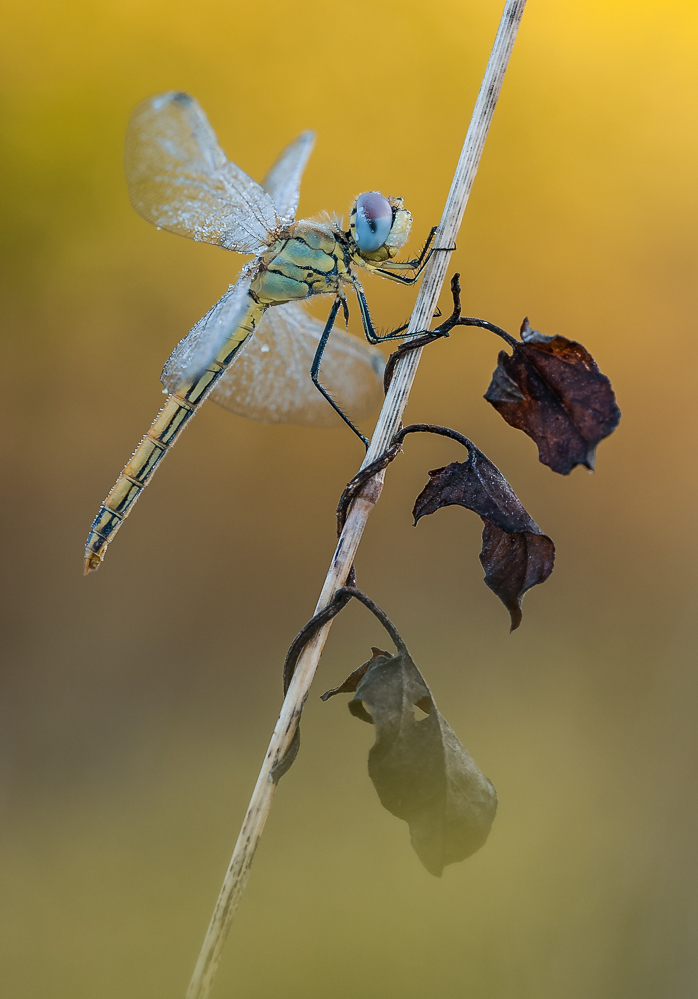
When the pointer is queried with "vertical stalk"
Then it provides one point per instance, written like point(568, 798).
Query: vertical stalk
point(348, 543)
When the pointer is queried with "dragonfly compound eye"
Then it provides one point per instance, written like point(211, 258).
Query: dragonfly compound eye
point(374, 219)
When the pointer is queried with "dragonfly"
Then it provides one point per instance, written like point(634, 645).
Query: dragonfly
point(252, 351)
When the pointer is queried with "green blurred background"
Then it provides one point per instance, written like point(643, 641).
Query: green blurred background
point(137, 704)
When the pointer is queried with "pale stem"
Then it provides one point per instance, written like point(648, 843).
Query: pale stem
point(386, 427)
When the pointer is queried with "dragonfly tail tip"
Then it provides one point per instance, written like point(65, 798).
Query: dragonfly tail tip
point(92, 563)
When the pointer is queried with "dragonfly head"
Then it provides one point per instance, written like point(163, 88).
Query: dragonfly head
point(379, 226)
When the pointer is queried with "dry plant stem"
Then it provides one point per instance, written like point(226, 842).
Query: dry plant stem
point(386, 427)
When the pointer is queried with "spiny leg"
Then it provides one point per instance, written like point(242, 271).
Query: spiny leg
point(317, 360)
point(423, 338)
point(420, 261)
point(369, 329)
point(455, 319)
point(417, 265)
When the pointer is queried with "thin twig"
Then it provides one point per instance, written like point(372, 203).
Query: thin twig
point(338, 603)
point(441, 331)
point(433, 428)
point(386, 427)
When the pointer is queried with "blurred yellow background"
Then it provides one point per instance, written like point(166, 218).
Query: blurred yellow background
point(137, 703)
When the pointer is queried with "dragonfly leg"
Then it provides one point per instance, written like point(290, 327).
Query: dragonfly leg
point(455, 319)
point(369, 329)
point(417, 265)
point(317, 361)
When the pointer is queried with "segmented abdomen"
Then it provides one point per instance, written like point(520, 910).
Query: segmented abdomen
point(168, 425)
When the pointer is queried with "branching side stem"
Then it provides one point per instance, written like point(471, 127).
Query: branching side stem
point(348, 543)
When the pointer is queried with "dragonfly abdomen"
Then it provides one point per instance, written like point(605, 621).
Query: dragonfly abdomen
point(166, 428)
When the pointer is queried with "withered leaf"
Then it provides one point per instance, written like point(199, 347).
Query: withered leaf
point(513, 563)
point(551, 388)
point(352, 681)
point(419, 768)
point(515, 555)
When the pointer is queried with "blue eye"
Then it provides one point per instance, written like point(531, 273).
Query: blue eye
point(374, 220)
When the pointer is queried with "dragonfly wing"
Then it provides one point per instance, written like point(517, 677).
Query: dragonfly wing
point(196, 351)
point(179, 178)
point(270, 381)
point(283, 181)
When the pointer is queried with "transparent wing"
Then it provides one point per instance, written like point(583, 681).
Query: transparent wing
point(283, 181)
point(179, 178)
point(196, 351)
point(270, 378)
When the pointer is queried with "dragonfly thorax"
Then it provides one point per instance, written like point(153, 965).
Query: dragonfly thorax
point(306, 260)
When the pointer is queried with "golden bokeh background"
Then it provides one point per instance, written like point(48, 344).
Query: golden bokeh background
point(137, 703)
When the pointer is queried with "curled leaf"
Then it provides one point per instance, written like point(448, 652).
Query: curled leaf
point(551, 388)
point(420, 770)
point(513, 563)
point(515, 555)
point(352, 681)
